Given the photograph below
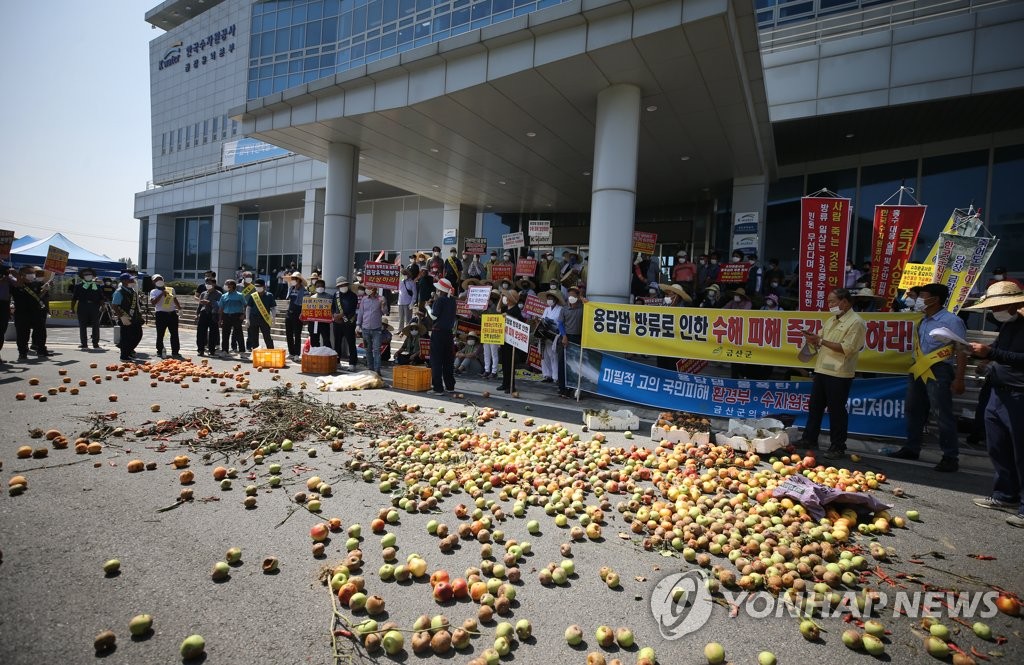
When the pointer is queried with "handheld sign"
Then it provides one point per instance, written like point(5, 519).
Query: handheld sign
point(316, 309)
point(478, 296)
point(526, 267)
point(492, 329)
point(517, 333)
point(513, 240)
point(381, 275)
point(56, 260)
point(644, 241)
point(6, 241)
point(476, 246)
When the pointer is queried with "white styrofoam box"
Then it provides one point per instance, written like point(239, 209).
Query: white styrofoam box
point(679, 435)
point(760, 446)
point(611, 420)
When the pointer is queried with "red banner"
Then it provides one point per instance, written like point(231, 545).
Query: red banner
point(381, 275)
point(526, 267)
point(6, 240)
point(462, 308)
point(734, 273)
point(533, 357)
point(644, 241)
point(533, 305)
point(893, 239)
point(824, 227)
point(502, 270)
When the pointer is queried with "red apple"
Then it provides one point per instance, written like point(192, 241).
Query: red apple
point(442, 592)
point(319, 532)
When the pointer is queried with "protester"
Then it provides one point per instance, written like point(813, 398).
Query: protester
point(738, 299)
point(343, 309)
point(509, 306)
point(1004, 413)
point(548, 268)
point(911, 302)
point(125, 304)
point(549, 350)
point(771, 303)
point(468, 356)
point(165, 309)
point(38, 343)
point(838, 347)
point(369, 323)
point(453, 268)
point(755, 276)
point(865, 300)
point(931, 390)
point(570, 327)
point(489, 266)
point(435, 265)
point(773, 278)
point(260, 310)
point(442, 359)
point(292, 321)
point(319, 332)
point(232, 311)
point(491, 350)
point(684, 272)
point(711, 296)
point(407, 295)
point(713, 269)
point(852, 275)
point(29, 309)
point(409, 353)
point(999, 274)
point(87, 303)
point(424, 287)
point(207, 317)
point(8, 279)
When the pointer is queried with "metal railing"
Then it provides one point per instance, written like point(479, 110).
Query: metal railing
point(205, 170)
point(816, 25)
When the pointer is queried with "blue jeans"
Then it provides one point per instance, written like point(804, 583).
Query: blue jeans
point(371, 340)
point(1004, 436)
point(935, 396)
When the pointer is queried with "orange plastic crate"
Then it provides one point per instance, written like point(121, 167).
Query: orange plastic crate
point(319, 364)
point(411, 377)
point(273, 358)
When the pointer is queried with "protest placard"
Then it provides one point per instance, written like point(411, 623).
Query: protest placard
point(381, 275)
point(526, 267)
point(513, 240)
point(517, 333)
point(476, 246)
point(477, 297)
point(644, 241)
point(56, 260)
point(316, 309)
point(6, 241)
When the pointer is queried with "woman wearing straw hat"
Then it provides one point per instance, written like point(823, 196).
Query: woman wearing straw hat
point(292, 325)
point(549, 353)
point(1004, 413)
point(738, 299)
point(409, 354)
point(675, 295)
point(509, 306)
point(865, 300)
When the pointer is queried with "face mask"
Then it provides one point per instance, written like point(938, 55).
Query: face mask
point(506, 257)
point(714, 262)
point(919, 305)
point(30, 278)
point(361, 292)
point(774, 284)
point(158, 283)
point(652, 292)
point(88, 278)
point(911, 303)
point(247, 280)
point(437, 253)
point(551, 302)
point(573, 300)
point(735, 259)
point(737, 299)
point(702, 262)
point(343, 289)
point(553, 287)
point(471, 342)
point(835, 310)
point(505, 285)
point(494, 257)
point(210, 285)
point(465, 257)
point(504, 300)
point(294, 283)
point(668, 300)
point(997, 278)
point(260, 289)
point(320, 289)
point(1004, 317)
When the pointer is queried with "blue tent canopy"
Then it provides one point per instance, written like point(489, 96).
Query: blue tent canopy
point(22, 241)
point(34, 253)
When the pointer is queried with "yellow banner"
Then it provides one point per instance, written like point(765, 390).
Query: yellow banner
point(948, 228)
point(916, 274)
point(742, 336)
point(492, 329)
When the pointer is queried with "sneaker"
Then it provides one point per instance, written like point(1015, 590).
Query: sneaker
point(835, 452)
point(201, 353)
point(948, 465)
point(904, 453)
point(547, 379)
point(1016, 520)
point(22, 358)
point(994, 504)
point(95, 345)
point(437, 392)
point(807, 445)
point(83, 346)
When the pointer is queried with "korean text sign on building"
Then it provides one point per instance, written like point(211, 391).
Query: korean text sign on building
point(824, 226)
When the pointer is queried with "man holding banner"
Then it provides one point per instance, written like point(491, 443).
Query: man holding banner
point(936, 375)
point(838, 347)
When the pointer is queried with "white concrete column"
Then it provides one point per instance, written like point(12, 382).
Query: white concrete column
point(613, 199)
point(161, 245)
point(224, 241)
point(313, 232)
point(749, 194)
point(462, 218)
point(340, 210)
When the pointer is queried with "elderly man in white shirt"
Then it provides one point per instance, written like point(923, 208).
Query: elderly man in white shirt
point(549, 351)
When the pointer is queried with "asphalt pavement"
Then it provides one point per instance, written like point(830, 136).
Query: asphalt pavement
point(81, 510)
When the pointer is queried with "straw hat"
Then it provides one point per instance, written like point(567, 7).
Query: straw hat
point(557, 295)
point(472, 281)
point(298, 275)
point(512, 295)
point(676, 289)
point(526, 284)
point(999, 294)
point(418, 326)
point(714, 287)
point(741, 292)
point(866, 293)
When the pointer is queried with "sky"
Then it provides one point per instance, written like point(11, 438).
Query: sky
point(75, 121)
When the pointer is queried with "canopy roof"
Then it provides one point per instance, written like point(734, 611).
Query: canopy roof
point(78, 257)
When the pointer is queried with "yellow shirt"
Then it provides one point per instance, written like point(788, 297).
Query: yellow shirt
point(849, 331)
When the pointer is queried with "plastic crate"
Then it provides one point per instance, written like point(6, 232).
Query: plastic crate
point(319, 364)
point(411, 377)
point(273, 358)
point(680, 435)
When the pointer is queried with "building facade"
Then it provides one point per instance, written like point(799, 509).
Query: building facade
point(327, 131)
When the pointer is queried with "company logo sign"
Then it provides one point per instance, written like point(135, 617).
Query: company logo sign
point(681, 603)
point(172, 57)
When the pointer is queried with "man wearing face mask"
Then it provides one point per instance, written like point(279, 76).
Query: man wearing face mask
point(165, 309)
point(684, 272)
point(319, 333)
point(86, 302)
point(773, 278)
point(260, 309)
point(938, 374)
point(570, 327)
point(343, 307)
point(852, 275)
point(453, 269)
point(911, 300)
point(509, 306)
point(999, 275)
point(442, 349)
point(435, 266)
point(713, 269)
point(547, 269)
point(1004, 412)
point(490, 264)
point(838, 347)
point(29, 310)
point(370, 324)
point(207, 331)
point(409, 354)
point(125, 304)
point(474, 269)
point(232, 313)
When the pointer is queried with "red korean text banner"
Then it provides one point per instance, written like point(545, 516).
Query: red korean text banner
point(502, 271)
point(893, 239)
point(56, 260)
point(734, 273)
point(526, 267)
point(6, 241)
point(824, 229)
point(381, 275)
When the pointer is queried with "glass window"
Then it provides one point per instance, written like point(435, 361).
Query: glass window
point(206, 131)
point(1005, 215)
point(179, 138)
point(163, 143)
point(204, 233)
point(948, 182)
point(224, 126)
point(144, 243)
point(390, 9)
point(180, 231)
point(298, 39)
point(234, 127)
point(188, 136)
point(359, 20)
point(313, 32)
point(215, 119)
point(406, 7)
point(877, 183)
point(315, 10)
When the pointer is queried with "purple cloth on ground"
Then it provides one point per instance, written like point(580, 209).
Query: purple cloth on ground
point(814, 497)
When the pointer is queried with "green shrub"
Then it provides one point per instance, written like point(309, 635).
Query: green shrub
point(182, 287)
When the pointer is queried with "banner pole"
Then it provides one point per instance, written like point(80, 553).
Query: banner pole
point(579, 373)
